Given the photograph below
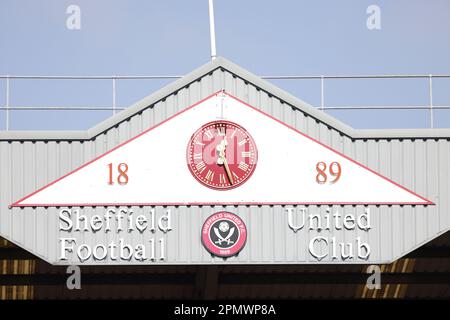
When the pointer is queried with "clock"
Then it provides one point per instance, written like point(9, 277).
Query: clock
point(222, 155)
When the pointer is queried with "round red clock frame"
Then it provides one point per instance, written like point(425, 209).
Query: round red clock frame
point(221, 155)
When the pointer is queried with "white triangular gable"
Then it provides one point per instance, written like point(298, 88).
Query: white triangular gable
point(158, 173)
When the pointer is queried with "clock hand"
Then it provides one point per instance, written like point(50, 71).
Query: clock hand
point(227, 169)
point(224, 160)
point(220, 150)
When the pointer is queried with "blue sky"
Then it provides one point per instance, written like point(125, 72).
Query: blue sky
point(171, 37)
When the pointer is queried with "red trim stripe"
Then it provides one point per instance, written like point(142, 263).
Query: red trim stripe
point(168, 204)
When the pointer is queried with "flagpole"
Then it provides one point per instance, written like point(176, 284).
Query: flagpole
point(212, 31)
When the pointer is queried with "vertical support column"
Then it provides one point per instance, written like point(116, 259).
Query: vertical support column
point(430, 84)
point(207, 282)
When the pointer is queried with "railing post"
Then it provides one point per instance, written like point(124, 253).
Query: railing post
point(7, 103)
point(113, 95)
point(430, 83)
point(322, 100)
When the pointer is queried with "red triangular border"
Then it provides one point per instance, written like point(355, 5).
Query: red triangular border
point(17, 203)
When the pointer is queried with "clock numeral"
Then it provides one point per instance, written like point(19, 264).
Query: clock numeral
point(243, 166)
point(235, 176)
point(122, 177)
point(209, 134)
point(222, 178)
point(198, 156)
point(246, 154)
point(334, 170)
point(210, 176)
point(243, 141)
point(200, 166)
point(221, 131)
point(199, 143)
point(234, 132)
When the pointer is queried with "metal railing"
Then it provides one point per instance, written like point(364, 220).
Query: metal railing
point(431, 107)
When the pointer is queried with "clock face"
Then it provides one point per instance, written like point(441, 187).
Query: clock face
point(222, 155)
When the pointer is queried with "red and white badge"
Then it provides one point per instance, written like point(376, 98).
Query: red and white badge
point(224, 234)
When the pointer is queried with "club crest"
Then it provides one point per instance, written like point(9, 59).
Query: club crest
point(224, 234)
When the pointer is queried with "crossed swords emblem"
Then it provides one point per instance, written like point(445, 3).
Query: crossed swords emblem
point(222, 239)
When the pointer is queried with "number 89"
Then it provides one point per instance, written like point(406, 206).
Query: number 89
point(334, 170)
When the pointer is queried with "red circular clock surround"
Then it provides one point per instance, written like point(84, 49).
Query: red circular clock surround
point(221, 155)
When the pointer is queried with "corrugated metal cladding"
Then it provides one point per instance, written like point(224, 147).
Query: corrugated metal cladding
point(420, 164)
